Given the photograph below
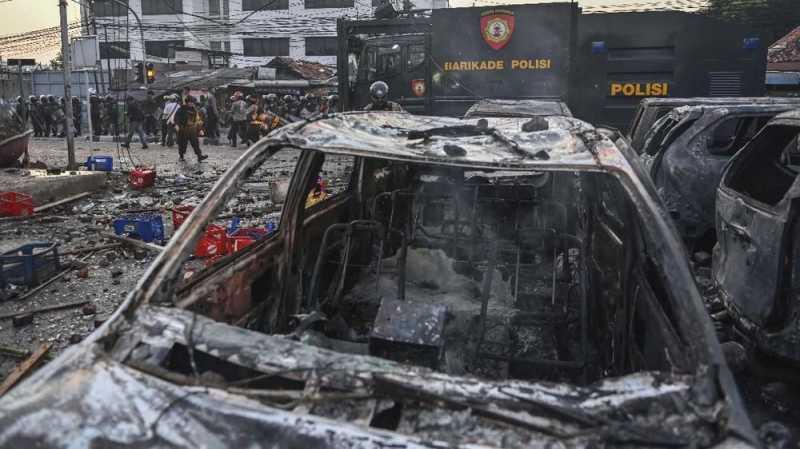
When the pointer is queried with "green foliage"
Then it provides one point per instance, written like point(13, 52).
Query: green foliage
point(772, 18)
point(57, 63)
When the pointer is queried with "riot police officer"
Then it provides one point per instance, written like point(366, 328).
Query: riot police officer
point(22, 110)
point(35, 114)
point(96, 114)
point(379, 93)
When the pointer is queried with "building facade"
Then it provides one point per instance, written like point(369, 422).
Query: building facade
point(255, 31)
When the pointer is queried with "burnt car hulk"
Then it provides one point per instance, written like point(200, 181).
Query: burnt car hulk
point(685, 153)
point(474, 283)
point(757, 261)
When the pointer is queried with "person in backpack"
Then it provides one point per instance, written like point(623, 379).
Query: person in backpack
point(188, 126)
point(238, 119)
point(168, 121)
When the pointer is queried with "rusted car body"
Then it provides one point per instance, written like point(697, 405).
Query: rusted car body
point(470, 286)
point(518, 108)
point(652, 109)
point(757, 262)
point(685, 153)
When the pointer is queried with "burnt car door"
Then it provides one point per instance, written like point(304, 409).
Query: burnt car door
point(755, 262)
point(690, 161)
point(250, 282)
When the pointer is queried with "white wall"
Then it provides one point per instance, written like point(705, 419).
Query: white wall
point(296, 23)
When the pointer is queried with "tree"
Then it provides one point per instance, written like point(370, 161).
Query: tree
point(57, 63)
point(771, 18)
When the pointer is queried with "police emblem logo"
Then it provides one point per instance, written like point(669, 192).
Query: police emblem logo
point(497, 26)
point(418, 87)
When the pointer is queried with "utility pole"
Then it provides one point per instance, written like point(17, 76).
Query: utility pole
point(67, 58)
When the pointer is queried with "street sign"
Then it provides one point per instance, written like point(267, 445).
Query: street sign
point(85, 52)
point(21, 61)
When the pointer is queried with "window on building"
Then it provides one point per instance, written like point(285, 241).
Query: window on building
point(213, 7)
point(266, 5)
point(321, 46)
point(162, 49)
point(226, 7)
point(315, 4)
point(220, 45)
point(108, 8)
point(273, 46)
point(115, 50)
point(156, 7)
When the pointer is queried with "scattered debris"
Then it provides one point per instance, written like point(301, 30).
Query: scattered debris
point(45, 309)
point(62, 202)
point(23, 368)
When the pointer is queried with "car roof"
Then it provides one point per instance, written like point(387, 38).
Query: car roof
point(791, 118)
point(457, 142)
point(724, 109)
point(518, 108)
point(690, 101)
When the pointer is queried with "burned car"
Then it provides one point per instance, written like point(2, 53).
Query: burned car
point(650, 110)
point(685, 153)
point(518, 108)
point(756, 264)
point(458, 283)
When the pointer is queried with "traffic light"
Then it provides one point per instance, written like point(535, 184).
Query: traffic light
point(139, 75)
point(151, 73)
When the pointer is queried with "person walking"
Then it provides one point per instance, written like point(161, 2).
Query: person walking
point(150, 110)
point(188, 125)
point(168, 121)
point(238, 119)
point(135, 123)
point(212, 117)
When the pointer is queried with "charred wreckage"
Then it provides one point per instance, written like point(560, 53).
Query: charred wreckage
point(474, 283)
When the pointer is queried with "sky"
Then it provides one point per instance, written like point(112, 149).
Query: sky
point(19, 16)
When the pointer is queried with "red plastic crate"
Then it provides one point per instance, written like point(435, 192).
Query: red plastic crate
point(142, 177)
point(13, 204)
point(213, 243)
point(179, 215)
point(244, 237)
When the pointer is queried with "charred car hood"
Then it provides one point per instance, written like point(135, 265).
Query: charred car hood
point(89, 399)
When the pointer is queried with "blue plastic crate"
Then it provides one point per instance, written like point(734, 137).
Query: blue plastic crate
point(145, 227)
point(30, 264)
point(100, 163)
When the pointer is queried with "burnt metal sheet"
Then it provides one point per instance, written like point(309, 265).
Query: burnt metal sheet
point(517, 108)
point(117, 405)
point(386, 135)
point(410, 322)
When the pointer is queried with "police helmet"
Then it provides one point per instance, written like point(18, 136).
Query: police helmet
point(378, 91)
